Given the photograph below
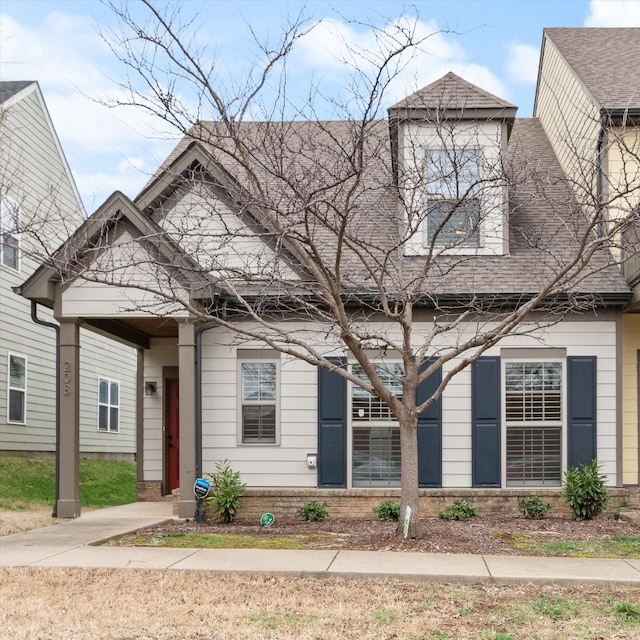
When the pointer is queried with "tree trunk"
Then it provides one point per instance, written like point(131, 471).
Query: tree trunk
point(409, 476)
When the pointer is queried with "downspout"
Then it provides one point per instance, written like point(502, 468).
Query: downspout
point(56, 328)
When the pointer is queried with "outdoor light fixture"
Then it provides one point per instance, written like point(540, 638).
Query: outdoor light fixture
point(149, 388)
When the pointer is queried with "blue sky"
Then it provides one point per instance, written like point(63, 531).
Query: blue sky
point(492, 43)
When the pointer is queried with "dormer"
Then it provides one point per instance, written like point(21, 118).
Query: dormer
point(449, 144)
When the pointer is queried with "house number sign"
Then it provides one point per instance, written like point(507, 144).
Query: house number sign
point(67, 378)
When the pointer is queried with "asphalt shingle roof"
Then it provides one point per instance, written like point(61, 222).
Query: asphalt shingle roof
point(9, 88)
point(606, 60)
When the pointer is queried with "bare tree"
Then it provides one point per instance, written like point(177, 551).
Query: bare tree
point(323, 237)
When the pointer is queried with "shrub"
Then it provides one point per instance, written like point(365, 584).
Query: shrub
point(585, 491)
point(313, 511)
point(534, 508)
point(459, 510)
point(388, 511)
point(226, 491)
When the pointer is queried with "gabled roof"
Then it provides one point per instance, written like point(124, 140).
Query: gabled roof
point(451, 91)
point(606, 60)
point(10, 88)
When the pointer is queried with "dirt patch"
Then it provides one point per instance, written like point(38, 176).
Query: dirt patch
point(481, 535)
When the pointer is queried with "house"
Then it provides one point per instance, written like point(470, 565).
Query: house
point(459, 206)
point(588, 102)
point(36, 187)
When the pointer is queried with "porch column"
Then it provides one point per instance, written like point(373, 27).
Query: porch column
point(68, 505)
point(188, 391)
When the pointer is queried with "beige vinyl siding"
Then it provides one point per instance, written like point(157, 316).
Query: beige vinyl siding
point(33, 173)
point(571, 120)
point(163, 353)
point(284, 465)
point(630, 441)
point(623, 172)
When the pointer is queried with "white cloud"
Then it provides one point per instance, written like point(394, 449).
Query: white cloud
point(522, 62)
point(613, 13)
point(336, 49)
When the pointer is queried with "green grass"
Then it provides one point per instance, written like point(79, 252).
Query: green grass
point(28, 482)
point(613, 547)
point(217, 541)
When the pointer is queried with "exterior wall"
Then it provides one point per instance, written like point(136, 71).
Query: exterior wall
point(630, 434)
point(284, 465)
point(571, 120)
point(162, 354)
point(486, 137)
point(33, 172)
point(623, 170)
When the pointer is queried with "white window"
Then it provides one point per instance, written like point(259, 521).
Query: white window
point(453, 205)
point(375, 431)
point(17, 392)
point(534, 422)
point(9, 227)
point(108, 405)
point(259, 415)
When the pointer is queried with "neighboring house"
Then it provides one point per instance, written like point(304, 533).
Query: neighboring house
point(507, 426)
point(36, 188)
point(588, 102)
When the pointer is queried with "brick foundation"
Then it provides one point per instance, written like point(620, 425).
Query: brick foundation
point(150, 492)
point(359, 503)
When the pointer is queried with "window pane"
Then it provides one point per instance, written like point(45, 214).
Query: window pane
point(534, 456)
point(259, 381)
point(16, 405)
point(10, 251)
point(114, 395)
point(376, 456)
point(452, 173)
point(17, 372)
point(103, 392)
point(533, 391)
point(453, 222)
point(366, 407)
point(103, 417)
point(259, 423)
point(113, 419)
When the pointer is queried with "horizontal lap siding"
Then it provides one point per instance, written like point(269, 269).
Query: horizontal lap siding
point(260, 466)
point(285, 465)
point(630, 442)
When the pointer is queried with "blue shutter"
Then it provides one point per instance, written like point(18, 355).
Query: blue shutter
point(430, 432)
point(581, 409)
point(485, 422)
point(332, 427)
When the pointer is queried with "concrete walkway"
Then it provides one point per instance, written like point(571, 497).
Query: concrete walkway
point(70, 544)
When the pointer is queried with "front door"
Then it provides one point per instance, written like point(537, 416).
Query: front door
point(172, 444)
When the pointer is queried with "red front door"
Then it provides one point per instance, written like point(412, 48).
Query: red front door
point(173, 433)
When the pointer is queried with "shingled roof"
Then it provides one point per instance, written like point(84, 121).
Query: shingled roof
point(606, 60)
point(9, 88)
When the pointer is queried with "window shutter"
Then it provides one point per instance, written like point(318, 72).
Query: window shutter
point(332, 427)
point(581, 401)
point(430, 432)
point(485, 422)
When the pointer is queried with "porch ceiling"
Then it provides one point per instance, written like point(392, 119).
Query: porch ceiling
point(135, 331)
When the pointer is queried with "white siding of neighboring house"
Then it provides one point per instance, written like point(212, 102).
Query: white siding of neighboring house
point(34, 174)
point(571, 120)
point(284, 465)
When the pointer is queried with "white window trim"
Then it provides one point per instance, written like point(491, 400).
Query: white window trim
point(109, 406)
point(563, 426)
point(10, 388)
point(262, 357)
point(6, 200)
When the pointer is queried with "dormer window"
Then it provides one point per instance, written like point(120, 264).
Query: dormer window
point(452, 179)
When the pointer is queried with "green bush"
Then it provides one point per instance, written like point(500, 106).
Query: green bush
point(313, 511)
point(388, 511)
point(585, 491)
point(226, 491)
point(534, 508)
point(459, 510)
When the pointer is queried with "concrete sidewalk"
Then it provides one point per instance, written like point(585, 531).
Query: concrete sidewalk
point(69, 544)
